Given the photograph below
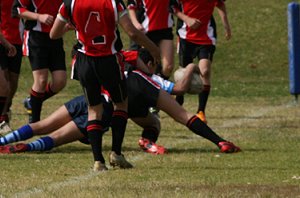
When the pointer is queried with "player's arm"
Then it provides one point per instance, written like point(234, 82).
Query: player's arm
point(42, 18)
point(20, 9)
point(134, 20)
point(139, 37)
point(193, 23)
point(59, 28)
point(223, 15)
point(133, 6)
point(182, 86)
point(61, 24)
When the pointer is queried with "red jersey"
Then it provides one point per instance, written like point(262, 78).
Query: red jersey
point(39, 6)
point(199, 9)
point(155, 13)
point(96, 24)
point(11, 28)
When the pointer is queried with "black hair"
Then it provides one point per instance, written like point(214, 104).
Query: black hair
point(145, 55)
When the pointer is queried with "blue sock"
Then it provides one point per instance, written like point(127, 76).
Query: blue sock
point(41, 144)
point(23, 133)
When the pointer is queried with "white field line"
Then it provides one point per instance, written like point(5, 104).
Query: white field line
point(72, 181)
point(255, 113)
point(229, 123)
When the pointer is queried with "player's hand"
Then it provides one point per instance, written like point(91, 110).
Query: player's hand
point(193, 23)
point(45, 18)
point(227, 31)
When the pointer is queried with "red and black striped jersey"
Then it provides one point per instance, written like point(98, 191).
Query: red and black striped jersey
point(199, 9)
point(96, 24)
point(154, 14)
point(39, 6)
point(11, 28)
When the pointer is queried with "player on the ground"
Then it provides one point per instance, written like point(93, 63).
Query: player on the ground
point(99, 63)
point(73, 116)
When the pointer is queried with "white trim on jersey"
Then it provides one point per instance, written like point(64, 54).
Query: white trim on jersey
point(147, 78)
point(183, 31)
point(210, 33)
point(38, 26)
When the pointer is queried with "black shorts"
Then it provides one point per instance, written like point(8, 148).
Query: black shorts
point(188, 51)
point(93, 72)
point(13, 64)
point(78, 110)
point(45, 53)
point(157, 35)
point(143, 93)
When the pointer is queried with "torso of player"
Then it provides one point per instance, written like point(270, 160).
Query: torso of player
point(96, 25)
point(202, 10)
point(41, 7)
point(156, 15)
point(11, 28)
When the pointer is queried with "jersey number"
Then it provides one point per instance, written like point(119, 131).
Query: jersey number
point(93, 25)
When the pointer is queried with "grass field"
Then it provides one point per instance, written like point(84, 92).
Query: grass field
point(249, 104)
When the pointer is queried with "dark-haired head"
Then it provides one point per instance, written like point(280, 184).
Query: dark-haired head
point(145, 56)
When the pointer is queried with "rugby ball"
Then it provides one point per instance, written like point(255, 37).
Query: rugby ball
point(196, 85)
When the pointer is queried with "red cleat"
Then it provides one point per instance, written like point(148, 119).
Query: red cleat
point(4, 149)
point(150, 147)
point(228, 147)
point(17, 148)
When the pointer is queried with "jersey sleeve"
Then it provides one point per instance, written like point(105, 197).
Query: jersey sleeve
point(164, 84)
point(20, 6)
point(132, 4)
point(121, 8)
point(63, 13)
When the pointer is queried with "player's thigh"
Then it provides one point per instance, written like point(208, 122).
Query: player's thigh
point(167, 52)
point(169, 105)
point(66, 134)
point(112, 77)
point(54, 121)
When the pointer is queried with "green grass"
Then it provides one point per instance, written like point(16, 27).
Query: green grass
point(249, 104)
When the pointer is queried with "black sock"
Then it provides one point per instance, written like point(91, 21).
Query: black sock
point(36, 100)
point(203, 97)
point(200, 128)
point(95, 133)
point(150, 133)
point(118, 127)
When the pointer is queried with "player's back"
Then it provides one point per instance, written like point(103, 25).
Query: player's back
point(96, 24)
